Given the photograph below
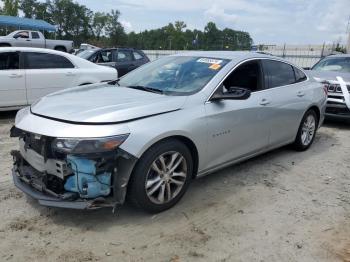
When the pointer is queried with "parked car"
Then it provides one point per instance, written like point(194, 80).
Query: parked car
point(334, 70)
point(123, 59)
point(26, 38)
point(27, 74)
point(145, 136)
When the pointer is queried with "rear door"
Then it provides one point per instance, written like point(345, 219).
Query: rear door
point(286, 101)
point(36, 40)
point(47, 73)
point(12, 81)
point(125, 62)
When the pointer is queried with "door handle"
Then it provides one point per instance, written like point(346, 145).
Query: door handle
point(70, 74)
point(15, 76)
point(264, 102)
point(300, 94)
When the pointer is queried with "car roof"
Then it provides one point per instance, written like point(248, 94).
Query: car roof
point(30, 49)
point(117, 48)
point(338, 56)
point(80, 62)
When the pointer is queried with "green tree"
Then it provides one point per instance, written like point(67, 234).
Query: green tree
point(114, 28)
point(10, 7)
point(100, 21)
point(213, 36)
point(28, 7)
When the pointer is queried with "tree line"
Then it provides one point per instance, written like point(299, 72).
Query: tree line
point(82, 25)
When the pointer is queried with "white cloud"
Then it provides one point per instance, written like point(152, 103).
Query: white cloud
point(127, 25)
point(219, 14)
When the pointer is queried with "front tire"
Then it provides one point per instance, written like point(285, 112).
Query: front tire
point(307, 131)
point(161, 176)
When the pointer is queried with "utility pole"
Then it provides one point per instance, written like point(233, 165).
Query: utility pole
point(170, 40)
point(348, 32)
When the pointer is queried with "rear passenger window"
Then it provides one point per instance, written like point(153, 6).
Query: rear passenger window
point(35, 35)
point(124, 56)
point(299, 75)
point(46, 61)
point(9, 61)
point(279, 73)
point(137, 56)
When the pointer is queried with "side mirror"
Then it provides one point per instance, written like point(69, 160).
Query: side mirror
point(232, 93)
point(15, 36)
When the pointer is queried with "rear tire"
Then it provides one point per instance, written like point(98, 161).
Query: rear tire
point(161, 176)
point(5, 45)
point(307, 131)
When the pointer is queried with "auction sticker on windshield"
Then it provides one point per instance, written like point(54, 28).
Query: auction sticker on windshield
point(215, 66)
point(209, 61)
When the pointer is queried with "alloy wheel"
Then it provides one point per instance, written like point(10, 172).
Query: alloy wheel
point(308, 130)
point(166, 177)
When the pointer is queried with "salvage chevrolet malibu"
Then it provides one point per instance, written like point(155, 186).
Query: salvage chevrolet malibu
point(143, 137)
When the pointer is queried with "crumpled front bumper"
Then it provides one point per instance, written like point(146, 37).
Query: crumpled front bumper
point(47, 200)
point(45, 197)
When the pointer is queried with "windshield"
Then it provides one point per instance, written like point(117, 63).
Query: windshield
point(338, 64)
point(86, 54)
point(175, 75)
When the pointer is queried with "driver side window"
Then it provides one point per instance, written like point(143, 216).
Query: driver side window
point(248, 76)
point(22, 34)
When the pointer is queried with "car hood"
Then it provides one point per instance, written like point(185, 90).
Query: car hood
point(328, 75)
point(5, 38)
point(103, 104)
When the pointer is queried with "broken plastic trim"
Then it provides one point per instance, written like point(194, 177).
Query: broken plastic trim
point(124, 164)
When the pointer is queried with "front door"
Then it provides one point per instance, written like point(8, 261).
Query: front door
point(238, 128)
point(22, 39)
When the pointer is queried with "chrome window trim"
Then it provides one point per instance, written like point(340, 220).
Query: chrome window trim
point(252, 59)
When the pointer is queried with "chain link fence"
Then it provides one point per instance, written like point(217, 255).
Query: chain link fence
point(303, 56)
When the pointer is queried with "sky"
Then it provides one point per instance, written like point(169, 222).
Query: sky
point(267, 21)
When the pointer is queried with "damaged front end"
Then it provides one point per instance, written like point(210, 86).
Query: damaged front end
point(72, 173)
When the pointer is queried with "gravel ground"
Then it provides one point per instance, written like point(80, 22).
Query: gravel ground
point(281, 206)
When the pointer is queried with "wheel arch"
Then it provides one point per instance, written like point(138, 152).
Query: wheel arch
point(60, 47)
point(187, 142)
point(317, 111)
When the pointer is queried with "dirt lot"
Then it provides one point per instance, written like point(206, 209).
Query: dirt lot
point(282, 206)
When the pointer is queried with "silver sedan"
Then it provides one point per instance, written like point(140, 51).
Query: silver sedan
point(144, 137)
